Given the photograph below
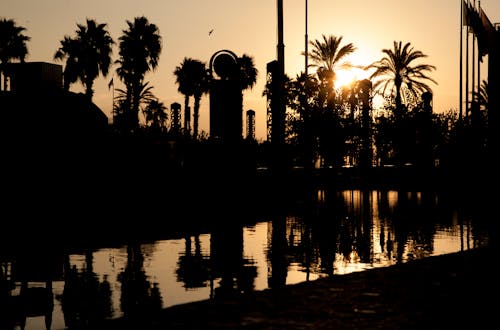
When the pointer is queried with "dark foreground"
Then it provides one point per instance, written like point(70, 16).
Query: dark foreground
point(455, 291)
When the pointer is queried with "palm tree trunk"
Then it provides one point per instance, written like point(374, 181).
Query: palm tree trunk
point(187, 126)
point(196, 111)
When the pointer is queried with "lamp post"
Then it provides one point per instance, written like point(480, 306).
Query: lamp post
point(306, 42)
point(279, 122)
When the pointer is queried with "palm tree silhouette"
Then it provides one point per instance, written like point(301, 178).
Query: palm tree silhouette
point(140, 48)
point(121, 105)
point(397, 71)
point(12, 44)
point(328, 56)
point(247, 72)
point(155, 114)
point(87, 55)
point(193, 80)
point(69, 50)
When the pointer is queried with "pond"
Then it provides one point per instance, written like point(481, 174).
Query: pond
point(341, 232)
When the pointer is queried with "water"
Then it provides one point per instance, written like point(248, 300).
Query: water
point(340, 233)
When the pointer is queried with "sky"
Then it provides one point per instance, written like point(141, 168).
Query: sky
point(250, 27)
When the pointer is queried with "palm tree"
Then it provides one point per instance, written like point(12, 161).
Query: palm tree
point(87, 55)
point(12, 44)
point(398, 73)
point(122, 106)
point(69, 50)
point(193, 80)
point(155, 114)
point(247, 72)
point(328, 56)
point(140, 48)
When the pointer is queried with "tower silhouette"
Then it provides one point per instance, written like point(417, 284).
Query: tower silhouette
point(250, 124)
point(175, 124)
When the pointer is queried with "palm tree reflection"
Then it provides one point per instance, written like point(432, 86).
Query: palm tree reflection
point(236, 273)
point(86, 301)
point(193, 268)
point(140, 299)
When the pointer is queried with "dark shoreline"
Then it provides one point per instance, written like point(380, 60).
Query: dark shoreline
point(455, 290)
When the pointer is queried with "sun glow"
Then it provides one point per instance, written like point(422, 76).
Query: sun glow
point(348, 76)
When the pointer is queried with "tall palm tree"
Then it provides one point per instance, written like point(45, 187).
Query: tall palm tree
point(140, 48)
point(247, 72)
point(397, 72)
point(87, 55)
point(69, 50)
point(328, 56)
point(13, 44)
point(193, 79)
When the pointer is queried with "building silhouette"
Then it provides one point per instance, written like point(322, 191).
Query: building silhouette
point(36, 109)
point(226, 98)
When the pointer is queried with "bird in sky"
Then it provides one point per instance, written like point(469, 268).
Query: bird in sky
point(210, 32)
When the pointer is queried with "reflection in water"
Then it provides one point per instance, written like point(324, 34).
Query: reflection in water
point(85, 300)
point(139, 298)
point(339, 232)
point(235, 273)
point(277, 253)
point(193, 267)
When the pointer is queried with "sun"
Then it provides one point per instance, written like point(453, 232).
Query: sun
point(345, 77)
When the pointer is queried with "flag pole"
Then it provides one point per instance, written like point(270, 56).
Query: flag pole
point(461, 60)
point(473, 74)
point(467, 68)
point(111, 84)
point(478, 58)
point(306, 42)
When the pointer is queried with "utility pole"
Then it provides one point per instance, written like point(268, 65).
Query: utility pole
point(279, 106)
point(279, 120)
point(305, 48)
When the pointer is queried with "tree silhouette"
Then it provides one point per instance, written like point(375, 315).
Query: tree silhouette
point(140, 48)
point(87, 55)
point(121, 106)
point(69, 50)
point(192, 79)
point(328, 56)
point(156, 115)
point(12, 44)
point(247, 72)
point(397, 71)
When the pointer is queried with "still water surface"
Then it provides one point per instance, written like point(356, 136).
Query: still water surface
point(342, 232)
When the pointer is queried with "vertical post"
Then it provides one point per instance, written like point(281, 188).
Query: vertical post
point(473, 74)
point(113, 104)
point(461, 61)
point(279, 121)
point(467, 69)
point(479, 59)
point(278, 116)
point(281, 45)
point(305, 48)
